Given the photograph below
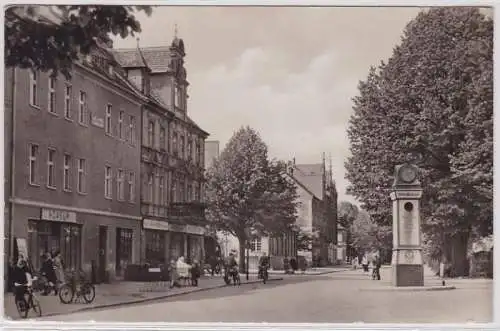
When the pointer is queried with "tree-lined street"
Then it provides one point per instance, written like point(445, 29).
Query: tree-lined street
point(339, 297)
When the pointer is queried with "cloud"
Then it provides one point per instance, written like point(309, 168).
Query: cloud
point(300, 114)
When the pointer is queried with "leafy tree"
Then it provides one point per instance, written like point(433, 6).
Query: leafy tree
point(247, 194)
point(432, 97)
point(346, 215)
point(51, 38)
point(368, 235)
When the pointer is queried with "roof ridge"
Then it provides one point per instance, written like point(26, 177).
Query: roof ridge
point(142, 47)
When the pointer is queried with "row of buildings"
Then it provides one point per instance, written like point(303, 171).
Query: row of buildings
point(317, 215)
point(106, 167)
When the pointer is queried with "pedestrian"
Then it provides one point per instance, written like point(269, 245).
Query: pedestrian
point(364, 263)
point(286, 265)
point(355, 263)
point(195, 273)
point(293, 264)
point(58, 267)
point(172, 271)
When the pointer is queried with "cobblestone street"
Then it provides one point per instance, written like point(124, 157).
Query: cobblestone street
point(338, 297)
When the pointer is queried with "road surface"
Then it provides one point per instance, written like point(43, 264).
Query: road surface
point(332, 298)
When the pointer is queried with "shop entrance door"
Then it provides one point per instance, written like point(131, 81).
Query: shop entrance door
point(103, 244)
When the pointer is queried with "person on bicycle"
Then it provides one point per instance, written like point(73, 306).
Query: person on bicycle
point(49, 272)
point(264, 264)
point(377, 264)
point(230, 264)
point(20, 276)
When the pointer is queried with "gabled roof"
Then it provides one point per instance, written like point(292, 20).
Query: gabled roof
point(311, 176)
point(157, 58)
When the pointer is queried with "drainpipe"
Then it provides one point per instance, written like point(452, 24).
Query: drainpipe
point(12, 159)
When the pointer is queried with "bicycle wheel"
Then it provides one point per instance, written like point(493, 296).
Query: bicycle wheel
point(22, 308)
point(66, 294)
point(37, 308)
point(88, 292)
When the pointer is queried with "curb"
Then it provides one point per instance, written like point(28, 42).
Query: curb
point(161, 297)
point(409, 289)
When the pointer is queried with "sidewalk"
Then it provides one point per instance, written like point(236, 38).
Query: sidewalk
point(121, 293)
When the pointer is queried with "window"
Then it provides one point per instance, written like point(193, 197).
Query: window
point(182, 191)
point(189, 192)
point(82, 110)
point(82, 170)
point(52, 95)
point(34, 88)
point(178, 96)
point(151, 133)
point(120, 125)
point(66, 173)
point(197, 156)
point(173, 191)
point(131, 187)
point(67, 102)
point(131, 130)
point(108, 119)
point(196, 196)
point(108, 182)
point(150, 189)
point(190, 149)
point(199, 153)
point(33, 164)
point(256, 245)
point(121, 185)
point(174, 143)
point(181, 149)
point(161, 195)
point(155, 246)
point(162, 138)
point(50, 168)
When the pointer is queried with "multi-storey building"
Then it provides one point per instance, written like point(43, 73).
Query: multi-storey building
point(105, 167)
point(74, 166)
point(172, 162)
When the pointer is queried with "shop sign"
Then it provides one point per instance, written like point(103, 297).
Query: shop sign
point(193, 229)
point(155, 225)
point(58, 215)
point(177, 228)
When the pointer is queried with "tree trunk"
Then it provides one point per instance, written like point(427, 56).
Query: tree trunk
point(459, 260)
point(242, 255)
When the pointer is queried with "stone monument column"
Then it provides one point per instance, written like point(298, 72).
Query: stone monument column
point(407, 262)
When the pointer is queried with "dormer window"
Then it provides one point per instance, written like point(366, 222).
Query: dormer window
point(178, 97)
point(110, 70)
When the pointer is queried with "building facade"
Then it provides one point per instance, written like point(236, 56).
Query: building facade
point(75, 167)
point(172, 157)
point(106, 167)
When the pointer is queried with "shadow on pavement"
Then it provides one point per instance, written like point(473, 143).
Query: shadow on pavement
point(244, 289)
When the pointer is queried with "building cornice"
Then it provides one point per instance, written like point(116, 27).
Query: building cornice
point(31, 203)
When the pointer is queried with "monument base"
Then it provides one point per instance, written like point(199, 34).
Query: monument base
point(407, 275)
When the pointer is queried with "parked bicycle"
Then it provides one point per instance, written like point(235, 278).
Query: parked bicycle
point(76, 288)
point(29, 303)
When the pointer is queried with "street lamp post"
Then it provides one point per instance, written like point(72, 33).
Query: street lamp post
point(247, 257)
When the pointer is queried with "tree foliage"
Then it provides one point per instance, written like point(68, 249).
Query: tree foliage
point(51, 38)
point(347, 213)
point(434, 97)
point(248, 193)
point(367, 235)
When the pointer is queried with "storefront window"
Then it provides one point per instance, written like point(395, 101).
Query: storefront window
point(155, 246)
point(50, 237)
point(176, 245)
point(70, 246)
point(123, 249)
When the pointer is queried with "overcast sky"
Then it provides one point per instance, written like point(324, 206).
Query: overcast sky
point(289, 73)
